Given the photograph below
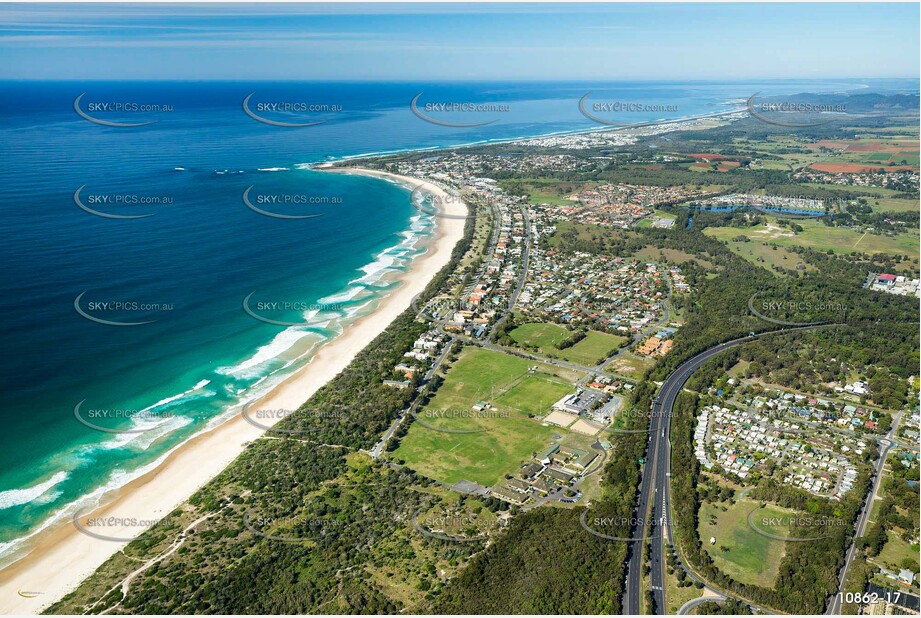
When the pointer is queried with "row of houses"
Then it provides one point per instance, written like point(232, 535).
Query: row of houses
point(825, 412)
point(744, 441)
point(418, 360)
point(491, 288)
point(614, 294)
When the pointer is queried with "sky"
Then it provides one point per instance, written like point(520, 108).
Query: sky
point(405, 42)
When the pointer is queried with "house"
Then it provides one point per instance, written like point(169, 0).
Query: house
point(585, 460)
point(543, 486)
point(906, 577)
point(649, 346)
point(531, 470)
point(545, 456)
point(407, 371)
point(885, 279)
point(506, 494)
point(558, 475)
point(398, 384)
point(665, 348)
point(519, 486)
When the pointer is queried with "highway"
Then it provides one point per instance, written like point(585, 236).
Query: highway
point(655, 476)
point(654, 489)
point(834, 604)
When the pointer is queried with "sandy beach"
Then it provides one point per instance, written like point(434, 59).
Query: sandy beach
point(63, 556)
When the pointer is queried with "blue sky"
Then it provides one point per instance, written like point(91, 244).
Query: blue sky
point(459, 42)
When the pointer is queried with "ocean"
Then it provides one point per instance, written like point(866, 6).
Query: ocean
point(157, 277)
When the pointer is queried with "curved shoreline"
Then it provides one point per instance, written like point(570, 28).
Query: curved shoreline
point(327, 164)
point(62, 557)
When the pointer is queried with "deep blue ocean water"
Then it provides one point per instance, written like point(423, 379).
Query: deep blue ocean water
point(190, 265)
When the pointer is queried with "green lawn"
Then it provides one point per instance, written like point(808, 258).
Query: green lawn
point(545, 190)
point(484, 457)
point(551, 198)
point(751, 557)
point(821, 237)
point(594, 348)
point(539, 334)
point(586, 232)
point(478, 375)
point(893, 204)
point(651, 253)
point(895, 552)
point(533, 394)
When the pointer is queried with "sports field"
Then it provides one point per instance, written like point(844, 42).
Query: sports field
point(739, 551)
point(594, 348)
point(539, 334)
point(498, 440)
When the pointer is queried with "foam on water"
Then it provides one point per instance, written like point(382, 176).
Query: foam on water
point(163, 402)
point(282, 342)
point(16, 497)
point(144, 440)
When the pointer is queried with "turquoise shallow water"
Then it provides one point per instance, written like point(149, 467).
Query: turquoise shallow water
point(201, 353)
point(188, 268)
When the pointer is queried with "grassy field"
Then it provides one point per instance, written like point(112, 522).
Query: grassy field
point(586, 231)
point(895, 552)
point(675, 597)
point(672, 256)
point(533, 394)
point(794, 153)
point(875, 150)
point(821, 237)
point(738, 369)
point(893, 204)
point(483, 457)
point(751, 557)
point(594, 348)
point(657, 214)
point(630, 366)
point(539, 334)
point(873, 191)
point(543, 190)
point(761, 254)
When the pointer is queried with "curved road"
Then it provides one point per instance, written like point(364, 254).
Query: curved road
point(656, 472)
point(687, 607)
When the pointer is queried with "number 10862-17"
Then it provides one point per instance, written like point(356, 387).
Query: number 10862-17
point(868, 598)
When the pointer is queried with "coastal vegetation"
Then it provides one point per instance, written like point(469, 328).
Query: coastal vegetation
point(346, 521)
